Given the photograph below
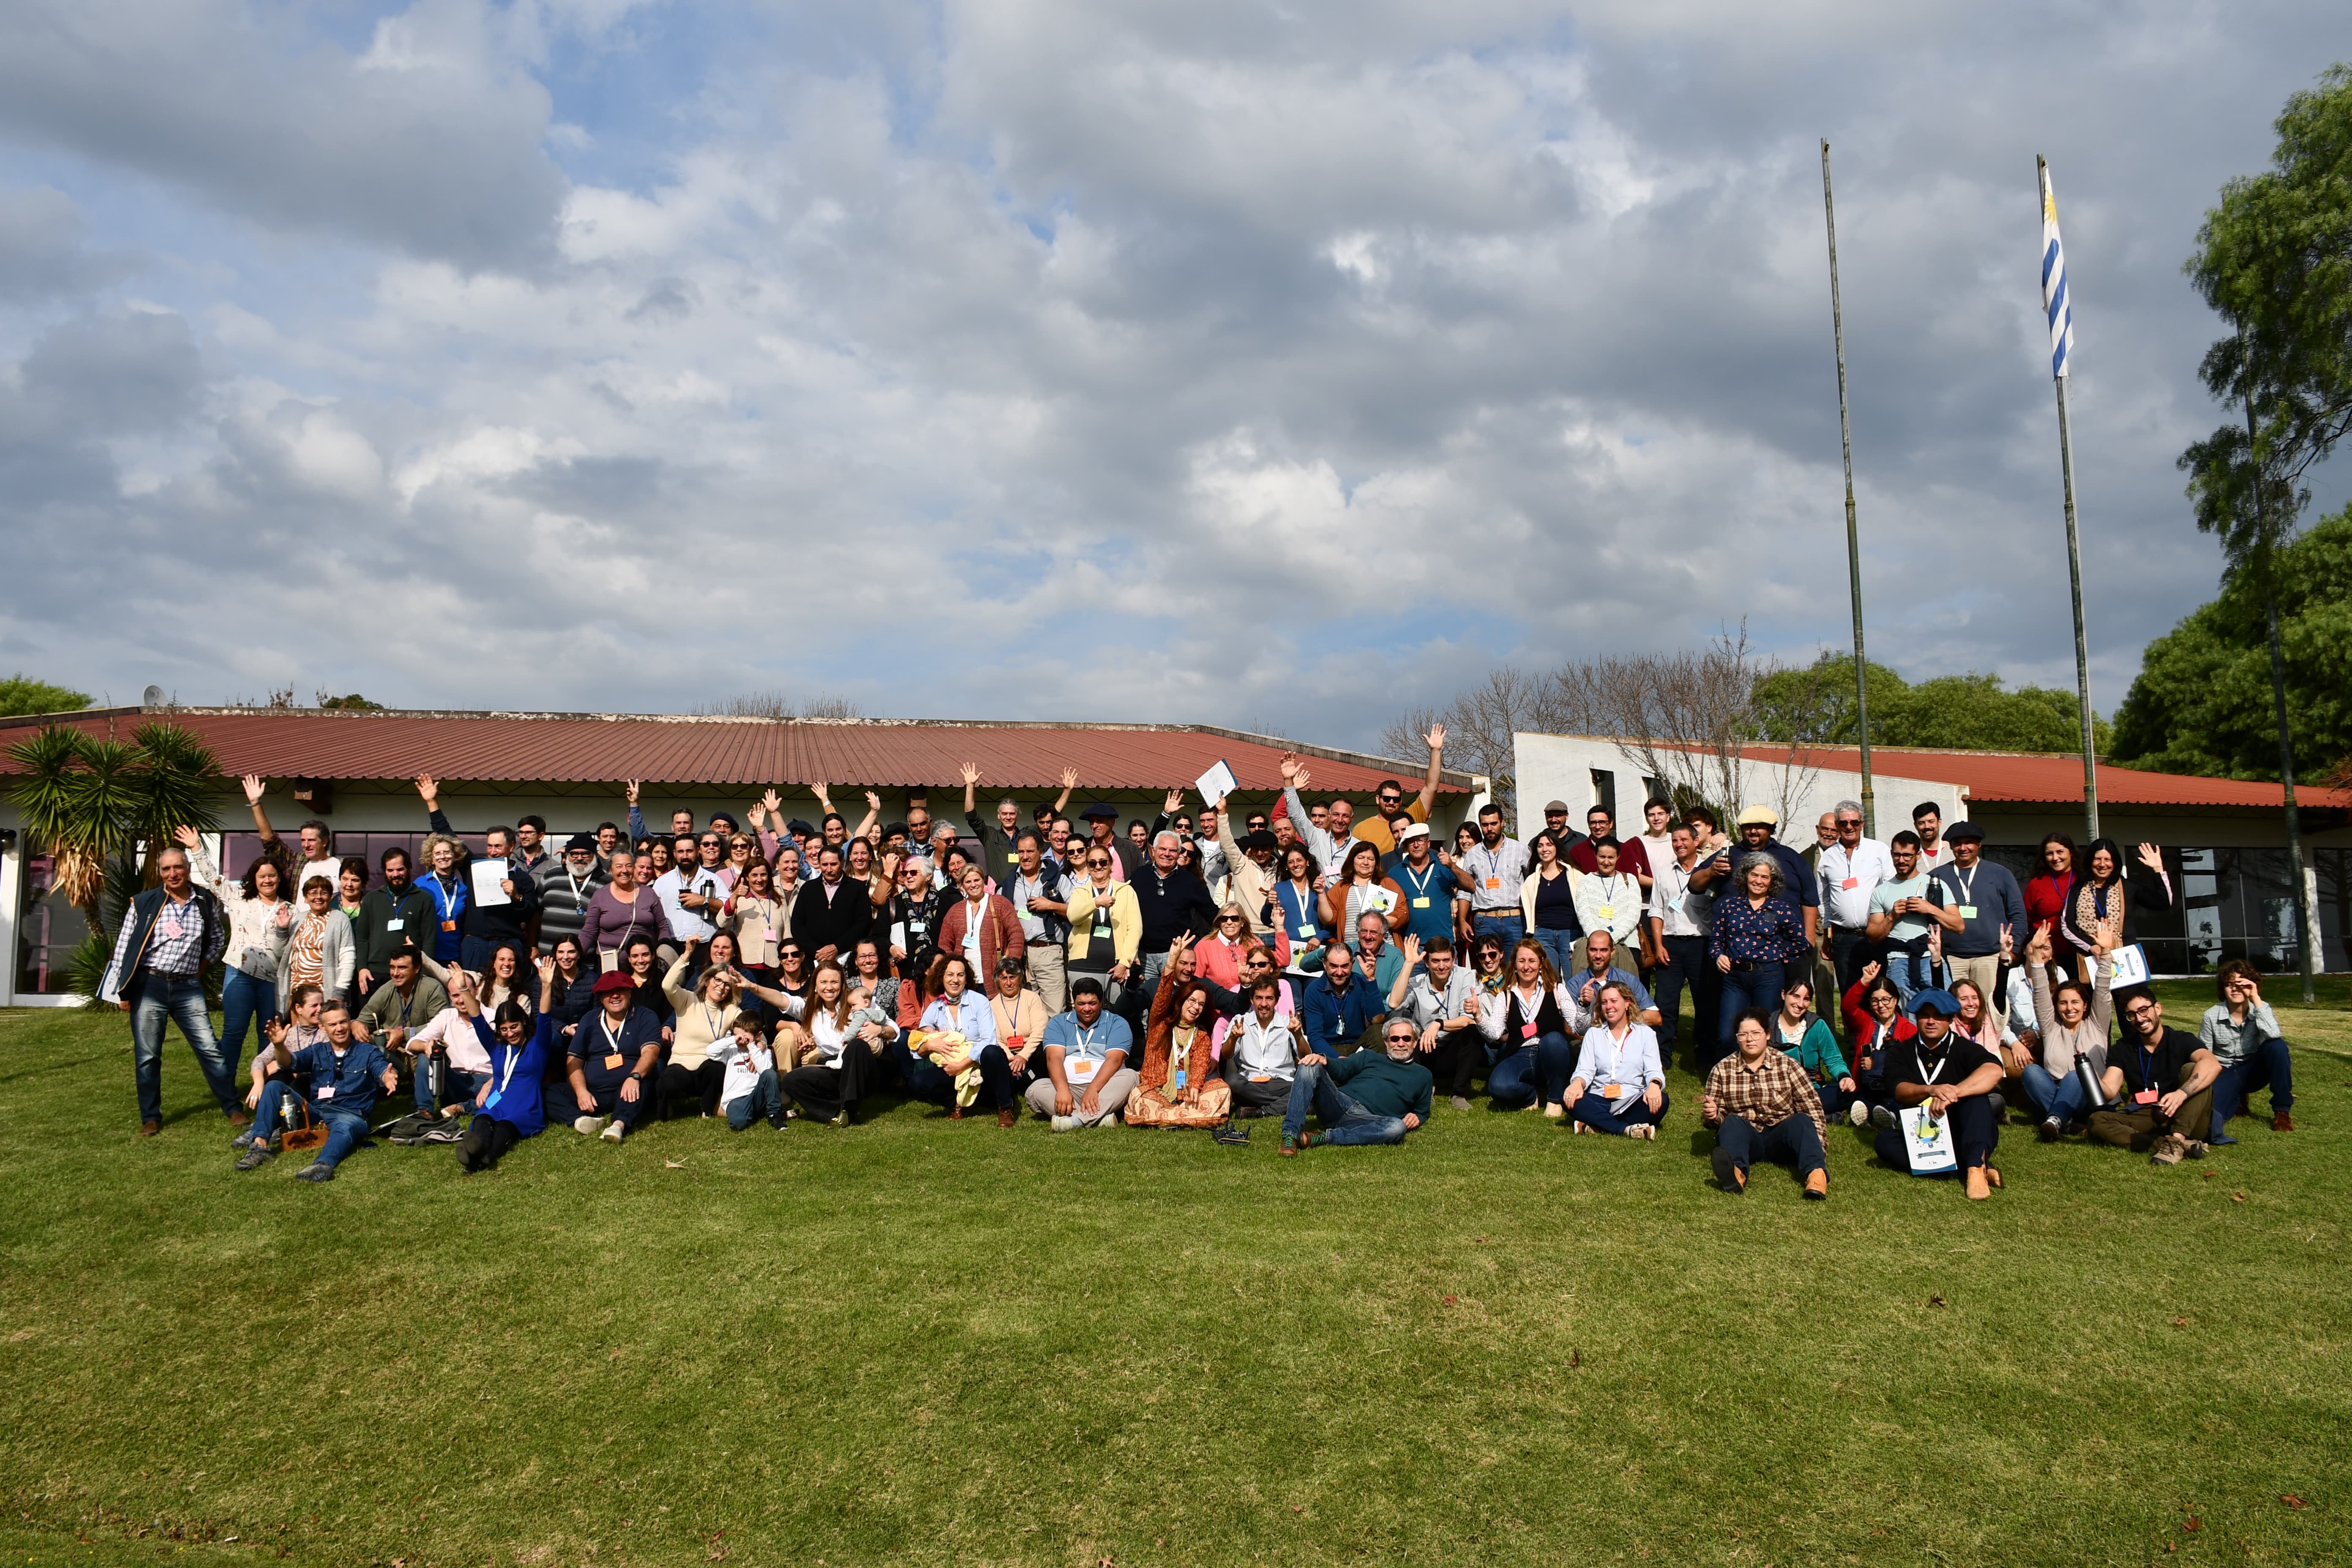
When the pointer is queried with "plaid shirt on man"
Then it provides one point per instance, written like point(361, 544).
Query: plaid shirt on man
point(1767, 1094)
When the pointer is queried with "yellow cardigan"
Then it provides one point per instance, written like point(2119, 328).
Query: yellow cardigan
point(1126, 922)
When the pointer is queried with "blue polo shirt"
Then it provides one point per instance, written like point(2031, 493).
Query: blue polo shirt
point(1428, 899)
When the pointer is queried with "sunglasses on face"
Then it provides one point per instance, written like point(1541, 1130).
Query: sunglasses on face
point(1098, 865)
point(1229, 919)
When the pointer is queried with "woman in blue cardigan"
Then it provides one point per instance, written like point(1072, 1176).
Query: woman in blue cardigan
point(508, 1107)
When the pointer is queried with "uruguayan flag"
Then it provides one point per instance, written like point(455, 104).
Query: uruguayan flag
point(2054, 303)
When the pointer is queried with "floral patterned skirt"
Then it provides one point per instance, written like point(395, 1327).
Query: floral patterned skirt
point(1153, 1108)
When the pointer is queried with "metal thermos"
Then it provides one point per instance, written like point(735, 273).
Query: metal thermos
point(435, 1066)
point(2094, 1096)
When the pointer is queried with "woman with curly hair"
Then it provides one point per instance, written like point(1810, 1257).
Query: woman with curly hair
point(1178, 1085)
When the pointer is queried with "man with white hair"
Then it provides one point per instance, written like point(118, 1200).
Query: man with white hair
point(1173, 902)
point(1850, 867)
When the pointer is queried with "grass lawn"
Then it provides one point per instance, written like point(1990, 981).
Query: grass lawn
point(932, 1342)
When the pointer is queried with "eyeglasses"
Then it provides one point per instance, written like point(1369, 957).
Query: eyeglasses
point(1098, 865)
point(1229, 919)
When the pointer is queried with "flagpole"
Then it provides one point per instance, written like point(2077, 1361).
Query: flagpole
point(2073, 554)
point(1853, 539)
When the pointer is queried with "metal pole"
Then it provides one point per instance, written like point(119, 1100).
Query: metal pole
point(2081, 646)
point(2304, 936)
point(2074, 573)
point(1853, 539)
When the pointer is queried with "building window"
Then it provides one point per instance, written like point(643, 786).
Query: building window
point(48, 930)
point(1604, 791)
point(2226, 903)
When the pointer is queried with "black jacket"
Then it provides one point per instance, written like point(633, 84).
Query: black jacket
point(839, 924)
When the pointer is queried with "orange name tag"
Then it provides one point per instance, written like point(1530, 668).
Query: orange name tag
point(612, 1062)
point(449, 925)
point(1494, 882)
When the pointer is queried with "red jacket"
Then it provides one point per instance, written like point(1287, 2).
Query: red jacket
point(1860, 1023)
point(1000, 933)
point(2046, 898)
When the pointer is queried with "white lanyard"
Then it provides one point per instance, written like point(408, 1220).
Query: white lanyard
point(1616, 1049)
point(1967, 889)
point(1420, 883)
point(612, 1035)
point(1086, 1040)
point(1941, 1063)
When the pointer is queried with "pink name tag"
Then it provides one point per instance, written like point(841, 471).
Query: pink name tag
point(169, 929)
point(328, 1092)
point(1526, 1031)
point(1850, 884)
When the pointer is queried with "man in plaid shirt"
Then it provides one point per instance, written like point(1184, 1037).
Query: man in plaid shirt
point(1762, 1105)
point(170, 935)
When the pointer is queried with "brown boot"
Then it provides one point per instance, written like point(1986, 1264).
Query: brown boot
point(1817, 1185)
point(2282, 1123)
point(1979, 1188)
point(150, 1127)
point(1005, 1117)
point(2171, 1150)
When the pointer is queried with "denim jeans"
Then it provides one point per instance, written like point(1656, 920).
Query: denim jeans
point(1594, 1113)
point(2267, 1065)
point(927, 1080)
point(245, 1000)
point(1345, 1120)
point(1975, 1136)
point(181, 998)
point(766, 1098)
point(1560, 947)
point(344, 1128)
point(2051, 1096)
point(1910, 971)
point(1509, 926)
point(457, 1088)
point(1757, 987)
point(1542, 1067)
point(1687, 963)
point(1795, 1139)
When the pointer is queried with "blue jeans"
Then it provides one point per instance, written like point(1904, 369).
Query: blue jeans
point(766, 1100)
point(181, 998)
point(457, 1088)
point(1560, 947)
point(1543, 1066)
point(344, 1128)
point(925, 1079)
point(1594, 1113)
point(1795, 1139)
point(2267, 1065)
point(2051, 1096)
point(1509, 927)
point(1345, 1120)
point(1757, 987)
point(245, 1002)
point(1910, 971)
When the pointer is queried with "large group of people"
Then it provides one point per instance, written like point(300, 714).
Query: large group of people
point(1199, 971)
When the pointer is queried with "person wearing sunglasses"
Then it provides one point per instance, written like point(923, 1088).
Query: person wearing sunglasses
point(911, 918)
point(1387, 1093)
point(1106, 926)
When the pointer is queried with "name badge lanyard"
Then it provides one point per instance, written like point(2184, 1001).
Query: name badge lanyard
point(514, 1056)
point(612, 1035)
point(1420, 883)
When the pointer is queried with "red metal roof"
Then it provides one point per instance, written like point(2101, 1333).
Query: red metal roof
point(610, 749)
point(2028, 777)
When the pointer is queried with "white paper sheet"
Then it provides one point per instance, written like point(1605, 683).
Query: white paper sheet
point(488, 875)
point(1217, 782)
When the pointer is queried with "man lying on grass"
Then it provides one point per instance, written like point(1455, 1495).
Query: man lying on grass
point(1387, 1095)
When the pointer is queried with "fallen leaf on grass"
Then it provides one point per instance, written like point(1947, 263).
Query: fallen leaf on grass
point(2192, 1524)
point(1482, 1238)
point(1295, 1508)
point(1934, 1301)
point(2292, 1500)
point(675, 1164)
point(2179, 1322)
point(1575, 1359)
point(2237, 1197)
point(1449, 1300)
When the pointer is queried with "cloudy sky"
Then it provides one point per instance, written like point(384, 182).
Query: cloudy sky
point(1279, 364)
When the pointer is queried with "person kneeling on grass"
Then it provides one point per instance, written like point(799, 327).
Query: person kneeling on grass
point(1763, 1105)
point(507, 1107)
point(1618, 1084)
point(1940, 1067)
point(1178, 1084)
point(1387, 1093)
point(752, 1088)
point(613, 1053)
point(339, 1078)
point(1087, 1050)
point(2165, 1081)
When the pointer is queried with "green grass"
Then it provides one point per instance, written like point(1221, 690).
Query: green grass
point(921, 1341)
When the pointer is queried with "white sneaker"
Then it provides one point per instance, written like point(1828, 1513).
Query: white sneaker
point(1858, 1113)
point(1555, 1111)
point(614, 1134)
point(1065, 1124)
point(1642, 1130)
point(587, 1125)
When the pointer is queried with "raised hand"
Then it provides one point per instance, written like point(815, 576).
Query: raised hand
point(2152, 858)
point(1174, 799)
point(1869, 973)
point(186, 837)
point(873, 801)
point(971, 771)
point(633, 794)
point(1436, 737)
point(1069, 778)
point(1288, 767)
point(252, 782)
point(429, 788)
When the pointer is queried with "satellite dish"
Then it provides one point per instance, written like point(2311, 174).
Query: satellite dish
point(152, 697)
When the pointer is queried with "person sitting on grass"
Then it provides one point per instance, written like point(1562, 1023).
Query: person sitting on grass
point(956, 1036)
point(1937, 1066)
point(508, 1107)
point(613, 1054)
point(2243, 1036)
point(1618, 1086)
point(1087, 1050)
point(1528, 1022)
point(339, 1078)
point(1178, 1085)
point(1340, 1011)
point(2075, 1025)
point(1262, 1053)
point(296, 1033)
point(1387, 1095)
point(751, 1088)
point(1441, 1000)
point(449, 1038)
point(838, 1051)
point(2165, 1079)
point(1874, 1023)
point(407, 1000)
point(1763, 1106)
point(1807, 1040)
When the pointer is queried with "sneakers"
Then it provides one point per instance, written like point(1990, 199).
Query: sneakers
point(614, 1132)
point(2282, 1123)
point(1230, 1134)
point(1643, 1129)
point(1065, 1124)
point(588, 1126)
point(1858, 1113)
point(2051, 1129)
point(1289, 1146)
point(1884, 1116)
point(839, 1118)
point(1458, 1101)
point(2171, 1150)
point(315, 1172)
point(778, 1119)
point(1817, 1185)
point(256, 1156)
point(1579, 1127)
point(1728, 1173)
